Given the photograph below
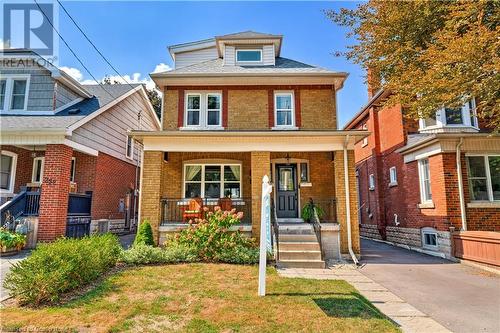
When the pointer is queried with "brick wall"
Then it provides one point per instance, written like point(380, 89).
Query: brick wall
point(151, 190)
point(252, 107)
point(85, 168)
point(260, 166)
point(55, 191)
point(24, 165)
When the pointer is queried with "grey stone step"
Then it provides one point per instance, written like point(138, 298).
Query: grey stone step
point(301, 264)
point(297, 238)
point(300, 255)
point(299, 246)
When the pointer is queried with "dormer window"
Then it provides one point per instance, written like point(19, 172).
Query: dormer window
point(249, 56)
point(14, 92)
point(464, 116)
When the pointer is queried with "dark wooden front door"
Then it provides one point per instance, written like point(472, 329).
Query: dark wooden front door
point(286, 191)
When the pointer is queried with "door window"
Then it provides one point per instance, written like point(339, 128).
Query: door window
point(286, 179)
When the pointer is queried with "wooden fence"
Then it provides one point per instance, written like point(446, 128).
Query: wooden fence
point(480, 246)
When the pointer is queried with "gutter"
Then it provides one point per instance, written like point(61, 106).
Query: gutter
point(460, 185)
point(348, 203)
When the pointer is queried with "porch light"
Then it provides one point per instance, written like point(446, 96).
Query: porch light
point(33, 153)
point(287, 157)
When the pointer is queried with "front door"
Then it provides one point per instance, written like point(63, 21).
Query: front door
point(286, 191)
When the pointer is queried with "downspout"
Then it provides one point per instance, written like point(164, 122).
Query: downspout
point(348, 203)
point(460, 185)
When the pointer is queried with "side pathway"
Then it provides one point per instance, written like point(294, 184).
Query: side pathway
point(5, 264)
point(406, 316)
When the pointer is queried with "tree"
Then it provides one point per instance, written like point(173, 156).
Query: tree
point(144, 235)
point(429, 54)
point(155, 99)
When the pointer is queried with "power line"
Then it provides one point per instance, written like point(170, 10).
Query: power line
point(71, 50)
point(93, 45)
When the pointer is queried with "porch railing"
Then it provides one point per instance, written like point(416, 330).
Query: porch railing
point(25, 203)
point(174, 210)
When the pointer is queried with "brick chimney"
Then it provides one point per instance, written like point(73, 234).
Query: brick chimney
point(373, 82)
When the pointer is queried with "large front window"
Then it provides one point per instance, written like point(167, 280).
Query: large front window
point(283, 109)
point(203, 110)
point(7, 171)
point(484, 177)
point(212, 180)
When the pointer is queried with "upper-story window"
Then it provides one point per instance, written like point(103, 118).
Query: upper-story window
point(14, 92)
point(284, 110)
point(450, 117)
point(203, 110)
point(247, 55)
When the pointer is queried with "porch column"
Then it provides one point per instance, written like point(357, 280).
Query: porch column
point(151, 180)
point(340, 196)
point(55, 192)
point(260, 165)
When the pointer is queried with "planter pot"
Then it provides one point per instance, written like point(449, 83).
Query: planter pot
point(9, 251)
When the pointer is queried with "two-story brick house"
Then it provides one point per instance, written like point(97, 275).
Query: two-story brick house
point(420, 179)
point(66, 157)
point(234, 110)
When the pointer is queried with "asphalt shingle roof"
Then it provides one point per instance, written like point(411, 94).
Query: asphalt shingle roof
point(282, 66)
point(248, 34)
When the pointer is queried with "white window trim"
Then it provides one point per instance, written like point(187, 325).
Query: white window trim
point(10, 190)
point(423, 199)
point(371, 182)
point(73, 170)
point(131, 156)
point(33, 170)
point(441, 118)
point(489, 185)
point(248, 62)
point(364, 143)
point(203, 118)
point(9, 85)
point(276, 95)
point(429, 231)
point(202, 181)
point(393, 171)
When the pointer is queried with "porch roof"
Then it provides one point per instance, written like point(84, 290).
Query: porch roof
point(247, 141)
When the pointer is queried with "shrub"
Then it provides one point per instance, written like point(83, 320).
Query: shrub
point(147, 254)
point(144, 234)
point(239, 255)
point(66, 264)
point(211, 239)
point(11, 239)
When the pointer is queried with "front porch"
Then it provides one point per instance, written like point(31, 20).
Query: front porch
point(173, 177)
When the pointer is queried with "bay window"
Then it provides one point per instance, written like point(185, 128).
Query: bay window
point(459, 116)
point(212, 180)
point(203, 110)
point(484, 177)
point(283, 109)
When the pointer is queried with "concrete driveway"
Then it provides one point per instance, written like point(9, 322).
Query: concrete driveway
point(461, 298)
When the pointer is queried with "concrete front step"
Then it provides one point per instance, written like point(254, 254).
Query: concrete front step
point(300, 255)
point(301, 264)
point(297, 238)
point(299, 246)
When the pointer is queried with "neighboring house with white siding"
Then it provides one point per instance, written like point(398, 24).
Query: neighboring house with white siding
point(61, 140)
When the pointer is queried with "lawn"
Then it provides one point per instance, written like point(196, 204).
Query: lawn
point(205, 298)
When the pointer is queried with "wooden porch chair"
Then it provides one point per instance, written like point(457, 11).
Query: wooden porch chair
point(194, 210)
point(225, 204)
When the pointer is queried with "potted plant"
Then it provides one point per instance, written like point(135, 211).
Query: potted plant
point(308, 211)
point(11, 242)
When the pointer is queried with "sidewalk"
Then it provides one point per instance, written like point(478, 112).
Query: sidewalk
point(406, 316)
point(5, 264)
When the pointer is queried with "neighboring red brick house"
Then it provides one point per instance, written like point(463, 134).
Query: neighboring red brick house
point(66, 157)
point(412, 187)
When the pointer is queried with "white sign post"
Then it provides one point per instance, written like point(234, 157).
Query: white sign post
point(265, 232)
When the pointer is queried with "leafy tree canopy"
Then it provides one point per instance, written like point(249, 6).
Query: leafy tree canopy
point(430, 54)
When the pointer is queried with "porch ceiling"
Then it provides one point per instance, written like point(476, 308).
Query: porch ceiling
point(247, 141)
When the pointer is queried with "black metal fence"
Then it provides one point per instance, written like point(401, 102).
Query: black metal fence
point(26, 203)
point(77, 226)
point(79, 215)
point(177, 210)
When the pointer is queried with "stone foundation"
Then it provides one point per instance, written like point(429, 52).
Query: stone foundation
point(410, 238)
point(113, 226)
point(330, 241)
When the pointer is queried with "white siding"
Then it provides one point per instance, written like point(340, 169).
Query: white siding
point(194, 57)
point(107, 132)
point(268, 56)
point(229, 55)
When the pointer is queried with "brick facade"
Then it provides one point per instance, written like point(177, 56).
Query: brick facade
point(151, 187)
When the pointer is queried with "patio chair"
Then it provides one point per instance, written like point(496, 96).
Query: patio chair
point(194, 210)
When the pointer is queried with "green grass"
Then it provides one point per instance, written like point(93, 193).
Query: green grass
point(205, 298)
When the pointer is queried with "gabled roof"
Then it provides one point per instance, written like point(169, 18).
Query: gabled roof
point(248, 34)
point(249, 37)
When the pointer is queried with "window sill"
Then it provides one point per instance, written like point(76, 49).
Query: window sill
point(371, 188)
point(284, 128)
point(212, 128)
point(483, 204)
point(426, 205)
point(306, 184)
point(393, 184)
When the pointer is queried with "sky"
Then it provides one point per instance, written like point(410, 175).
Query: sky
point(134, 36)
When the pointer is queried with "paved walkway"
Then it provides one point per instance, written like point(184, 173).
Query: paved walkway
point(406, 316)
point(5, 264)
point(461, 298)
